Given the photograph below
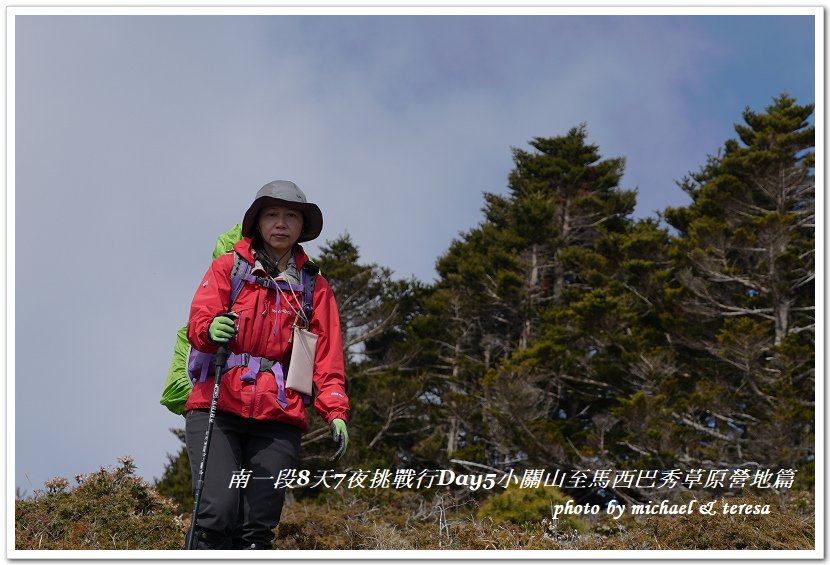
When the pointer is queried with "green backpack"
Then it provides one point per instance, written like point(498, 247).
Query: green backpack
point(177, 387)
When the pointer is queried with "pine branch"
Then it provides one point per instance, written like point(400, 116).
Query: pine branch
point(474, 465)
point(379, 327)
point(700, 427)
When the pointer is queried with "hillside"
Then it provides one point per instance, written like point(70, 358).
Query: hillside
point(114, 509)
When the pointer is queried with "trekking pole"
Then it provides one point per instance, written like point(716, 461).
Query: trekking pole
point(219, 360)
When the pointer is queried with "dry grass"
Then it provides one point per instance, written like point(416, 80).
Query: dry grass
point(449, 524)
point(789, 526)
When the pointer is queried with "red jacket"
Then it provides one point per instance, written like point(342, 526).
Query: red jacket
point(256, 323)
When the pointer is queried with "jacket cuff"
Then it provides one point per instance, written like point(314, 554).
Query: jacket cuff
point(335, 415)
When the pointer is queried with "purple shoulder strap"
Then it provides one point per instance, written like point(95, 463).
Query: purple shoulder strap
point(241, 268)
point(310, 272)
point(242, 272)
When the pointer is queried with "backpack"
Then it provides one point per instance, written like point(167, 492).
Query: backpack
point(186, 360)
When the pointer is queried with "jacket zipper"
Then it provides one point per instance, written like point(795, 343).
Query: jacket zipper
point(253, 392)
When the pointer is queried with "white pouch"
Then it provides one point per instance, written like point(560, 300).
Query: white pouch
point(301, 369)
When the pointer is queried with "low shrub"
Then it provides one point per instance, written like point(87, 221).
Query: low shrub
point(109, 509)
point(528, 506)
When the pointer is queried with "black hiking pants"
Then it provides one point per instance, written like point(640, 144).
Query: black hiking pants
point(232, 516)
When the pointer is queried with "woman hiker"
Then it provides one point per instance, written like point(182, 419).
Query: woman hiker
point(259, 417)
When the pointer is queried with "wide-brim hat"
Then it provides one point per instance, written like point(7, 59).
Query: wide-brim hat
point(284, 193)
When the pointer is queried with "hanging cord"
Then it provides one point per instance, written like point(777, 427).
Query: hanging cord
point(270, 265)
point(297, 313)
point(272, 270)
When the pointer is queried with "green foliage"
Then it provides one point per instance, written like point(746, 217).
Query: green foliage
point(109, 509)
point(528, 505)
point(744, 290)
point(518, 292)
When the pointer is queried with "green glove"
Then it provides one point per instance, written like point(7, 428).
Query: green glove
point(222, 328)
point(340, 436)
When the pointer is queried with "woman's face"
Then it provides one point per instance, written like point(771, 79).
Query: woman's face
point(280, 228)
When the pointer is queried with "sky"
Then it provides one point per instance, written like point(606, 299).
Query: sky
point(138, 139)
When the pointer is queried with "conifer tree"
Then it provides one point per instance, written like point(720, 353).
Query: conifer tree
point(384, 397)
point(745, 288)
point(538, 248)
